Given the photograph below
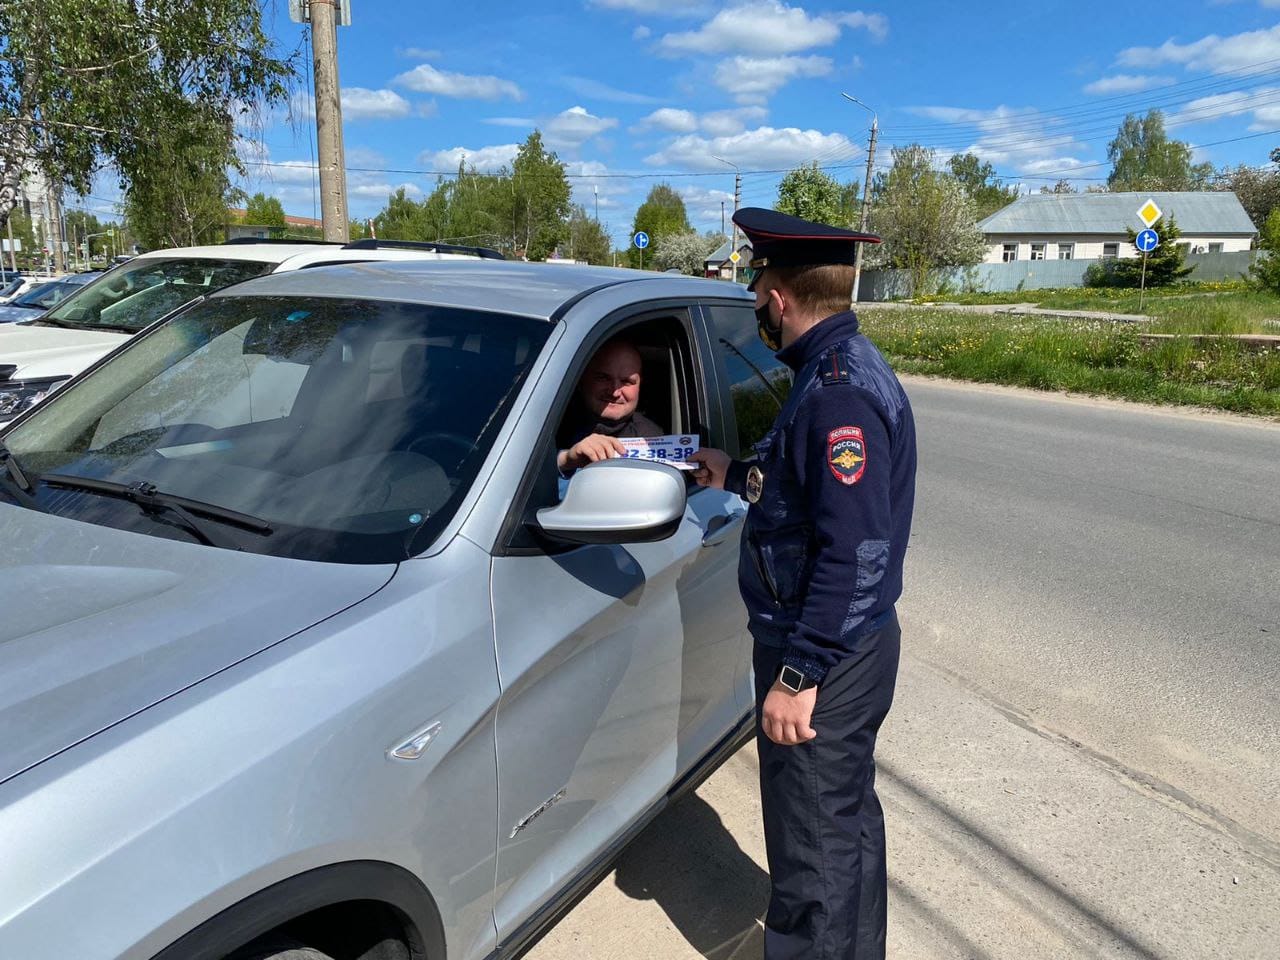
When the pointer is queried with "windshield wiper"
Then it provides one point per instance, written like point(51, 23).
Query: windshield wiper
point(16, 478)
point(152, 500)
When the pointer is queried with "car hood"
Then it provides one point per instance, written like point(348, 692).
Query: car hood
point(53, 351)
point(97, 624)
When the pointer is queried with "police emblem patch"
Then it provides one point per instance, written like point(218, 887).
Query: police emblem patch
point(846, 454)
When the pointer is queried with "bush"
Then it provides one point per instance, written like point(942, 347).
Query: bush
point(1265, 270)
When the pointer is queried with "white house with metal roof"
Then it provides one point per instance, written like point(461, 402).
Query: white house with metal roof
point(1091, 226)
point(717, 264)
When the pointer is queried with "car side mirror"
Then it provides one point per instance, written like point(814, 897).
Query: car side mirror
point(618, 501)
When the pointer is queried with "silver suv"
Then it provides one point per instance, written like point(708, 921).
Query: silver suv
point(305, 643)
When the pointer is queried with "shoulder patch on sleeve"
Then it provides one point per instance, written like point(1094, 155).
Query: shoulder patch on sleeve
point(846, 454)
point(835, 368)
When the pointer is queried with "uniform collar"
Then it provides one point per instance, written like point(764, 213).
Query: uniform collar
point(815, 340)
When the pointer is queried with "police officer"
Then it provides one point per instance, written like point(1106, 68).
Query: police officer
point(831, 491)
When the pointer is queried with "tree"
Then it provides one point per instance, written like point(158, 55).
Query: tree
point(588, 240)
point(540, 200)
point(985, 189)
point(1062, 186)
point(264, 211)
point(661, 214)
point(85, 83)
point(1144, 158)
point(811, 193)
point(181, 198)
point(686, 252)
point(1165, 265)
point(1258, 190)
point(925, 217)
point(1265, 270)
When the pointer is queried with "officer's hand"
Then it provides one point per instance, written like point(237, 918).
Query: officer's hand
point(589, 450)
point(712, 466)
point(785, 715)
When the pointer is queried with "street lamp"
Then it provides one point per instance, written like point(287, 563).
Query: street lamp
point(866, 194)
point(737, 193)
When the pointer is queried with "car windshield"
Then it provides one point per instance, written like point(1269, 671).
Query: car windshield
point(47, 294)
point(142, 291)
point(351, 428)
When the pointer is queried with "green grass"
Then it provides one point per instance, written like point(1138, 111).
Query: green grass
point(1095, 357)
point(1216, 308)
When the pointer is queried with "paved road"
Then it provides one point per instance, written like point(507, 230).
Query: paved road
point(1083, 759)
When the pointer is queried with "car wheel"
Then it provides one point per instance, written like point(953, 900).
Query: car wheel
point(279, 949)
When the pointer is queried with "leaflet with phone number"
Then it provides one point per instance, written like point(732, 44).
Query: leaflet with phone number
point(673, 449)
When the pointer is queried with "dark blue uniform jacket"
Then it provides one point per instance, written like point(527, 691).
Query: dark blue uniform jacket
point(823, 548)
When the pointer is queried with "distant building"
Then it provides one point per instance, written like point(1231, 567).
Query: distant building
point(1091, 226)
point(237, 229)
point(718, 266)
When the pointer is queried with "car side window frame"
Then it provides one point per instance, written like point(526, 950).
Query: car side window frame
point(729, 412)
point(516, 537)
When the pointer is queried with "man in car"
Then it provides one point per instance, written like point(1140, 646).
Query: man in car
point(831, 495)
point(604, 409)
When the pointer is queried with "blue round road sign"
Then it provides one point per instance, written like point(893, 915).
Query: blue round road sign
point(1147, 241)
point(641, 239)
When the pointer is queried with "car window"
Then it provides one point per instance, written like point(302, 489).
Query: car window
point(137, 294)
point(758, 381)
point(352, 427)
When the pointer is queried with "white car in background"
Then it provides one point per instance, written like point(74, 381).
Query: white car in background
point(38, 356)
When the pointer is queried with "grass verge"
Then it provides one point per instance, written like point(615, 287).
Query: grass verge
point(1084, 356)
point(1225, 307)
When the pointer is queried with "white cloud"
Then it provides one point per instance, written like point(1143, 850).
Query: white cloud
point(769, 27)
point(595, 90)
point(725, 123)
point(1015, 140)
point(364, 157)
point(590, 182)
point(641, 33)
point(575, 126)
point(755, 79)
point(359, 103)
point(703, 206)
point(485, 159)
point(1262, 103)
point(1212, 54)
point(1127, 83)
point(669, 118)
point(427, 79)
point(764, 147)
point(417, 53)
point(511, 122)
point(380, 191)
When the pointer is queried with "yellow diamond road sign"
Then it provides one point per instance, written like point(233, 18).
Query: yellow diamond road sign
point(735, 256)
point(1149, 213)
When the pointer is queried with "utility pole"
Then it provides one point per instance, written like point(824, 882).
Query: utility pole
point(866, 197)
point(595, 188)
point(737, 200)
point(333, 169)
point(13, 256)
point(55, 231)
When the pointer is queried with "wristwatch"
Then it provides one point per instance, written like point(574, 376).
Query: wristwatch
point(794, 680)
point(755, 484)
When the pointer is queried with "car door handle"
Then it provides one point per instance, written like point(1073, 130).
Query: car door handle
point(721, 528)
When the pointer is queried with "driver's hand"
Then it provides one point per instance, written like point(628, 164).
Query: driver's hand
point(589, 450)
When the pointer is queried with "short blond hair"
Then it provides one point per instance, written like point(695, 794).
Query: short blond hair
point(823, 290)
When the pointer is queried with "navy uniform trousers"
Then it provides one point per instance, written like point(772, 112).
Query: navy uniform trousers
point(823, 825)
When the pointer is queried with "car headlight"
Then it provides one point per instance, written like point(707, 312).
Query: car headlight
point(18, 396)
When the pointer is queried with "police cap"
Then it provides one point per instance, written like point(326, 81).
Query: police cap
point(780, 240)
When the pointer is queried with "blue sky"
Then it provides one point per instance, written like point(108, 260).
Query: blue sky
point(634, 92)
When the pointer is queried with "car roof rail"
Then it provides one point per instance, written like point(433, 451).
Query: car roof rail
point(236, 241)
point(373, 243)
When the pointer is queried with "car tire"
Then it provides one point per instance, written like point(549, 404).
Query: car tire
point(279, 949)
